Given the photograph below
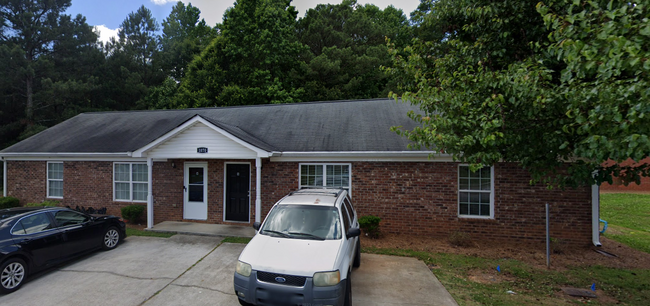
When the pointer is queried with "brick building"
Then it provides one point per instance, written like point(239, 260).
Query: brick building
point(230, 165)
point(617, 186)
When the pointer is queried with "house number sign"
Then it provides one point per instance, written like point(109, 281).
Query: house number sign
point(202, 150)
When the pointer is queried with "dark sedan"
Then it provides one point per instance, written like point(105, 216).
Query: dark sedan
point(35, 238)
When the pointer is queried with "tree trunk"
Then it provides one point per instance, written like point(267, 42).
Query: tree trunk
point(29, 108)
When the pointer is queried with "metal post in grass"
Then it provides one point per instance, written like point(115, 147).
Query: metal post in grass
point(548, 240)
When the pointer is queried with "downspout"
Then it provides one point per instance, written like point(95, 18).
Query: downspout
point(4, 177)
point(595, 215)
point(258, 189)
point(150, 193)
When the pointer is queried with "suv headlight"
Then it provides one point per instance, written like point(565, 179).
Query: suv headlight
point(324, 279)
point(243, 269)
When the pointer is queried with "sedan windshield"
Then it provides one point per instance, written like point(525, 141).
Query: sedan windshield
point(303, 222)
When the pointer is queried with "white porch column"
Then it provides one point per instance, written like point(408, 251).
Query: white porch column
point(150, 193)
point(595, 215)
point(4, 177)
point(258, 189)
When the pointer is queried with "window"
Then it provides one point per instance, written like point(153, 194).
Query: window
point(475, 194)
point(348, 206)
point(55, 180)
point(325, 175)
point(32, 224)
point(66, 217)
point(130, 182)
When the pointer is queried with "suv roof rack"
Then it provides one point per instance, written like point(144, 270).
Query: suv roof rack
point(332, 191)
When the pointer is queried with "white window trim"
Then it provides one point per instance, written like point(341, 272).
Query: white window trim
point(130, 182)
point(324, 165)
point(491, 216)
point(47, 178)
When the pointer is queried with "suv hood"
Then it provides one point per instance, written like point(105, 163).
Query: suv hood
point(291, 256)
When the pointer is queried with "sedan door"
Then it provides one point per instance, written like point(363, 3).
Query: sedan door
point(37, 236)
point(81, 232)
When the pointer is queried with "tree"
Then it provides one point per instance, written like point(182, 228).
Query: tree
point(27, 31)
point(250, 61)
point(347, 47)
point(131, 68)
point(48, 61)
point(492, 87)
point(604, 87)
point(184, 37)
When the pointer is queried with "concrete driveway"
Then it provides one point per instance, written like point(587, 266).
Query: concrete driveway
point(196, 270)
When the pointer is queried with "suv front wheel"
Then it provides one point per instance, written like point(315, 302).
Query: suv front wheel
point(348, 290)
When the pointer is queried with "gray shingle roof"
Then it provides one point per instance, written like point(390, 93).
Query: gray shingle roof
point(335, 126)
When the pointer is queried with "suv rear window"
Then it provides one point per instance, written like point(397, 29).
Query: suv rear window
point(303, 222)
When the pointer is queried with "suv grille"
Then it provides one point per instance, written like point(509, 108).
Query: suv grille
point(291, 280)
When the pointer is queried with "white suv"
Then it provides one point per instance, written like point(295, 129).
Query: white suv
point(303, 253)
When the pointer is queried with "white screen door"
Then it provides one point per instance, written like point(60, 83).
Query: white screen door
point(195, 205)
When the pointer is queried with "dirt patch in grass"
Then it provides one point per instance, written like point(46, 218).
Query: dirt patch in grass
point(489, 277)
point(136, 226)
point(532, 254)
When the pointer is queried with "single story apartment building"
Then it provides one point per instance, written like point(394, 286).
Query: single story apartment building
point(230, 165)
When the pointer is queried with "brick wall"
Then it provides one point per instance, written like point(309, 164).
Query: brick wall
point(418, 198)
point(421, 199)
point(85, 184)
point(26, 181)
point(618, 186)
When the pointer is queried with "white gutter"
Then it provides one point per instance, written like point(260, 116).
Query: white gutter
point(63, 154)
point(258, 189)
point(4, 177)
point(356, 153)
point(595, 215)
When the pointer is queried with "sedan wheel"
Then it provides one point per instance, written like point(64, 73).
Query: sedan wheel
point(111, 238)
point(12, 275)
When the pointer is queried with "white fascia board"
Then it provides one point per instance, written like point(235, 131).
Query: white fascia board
point(383, 156)
point(66, 156)
point(142, 151)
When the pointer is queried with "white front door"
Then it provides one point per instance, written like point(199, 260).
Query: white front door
point(195, 205)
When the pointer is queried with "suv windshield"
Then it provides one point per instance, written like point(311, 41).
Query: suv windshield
point(303, 222)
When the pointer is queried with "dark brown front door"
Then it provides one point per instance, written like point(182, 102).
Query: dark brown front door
point(237, 192)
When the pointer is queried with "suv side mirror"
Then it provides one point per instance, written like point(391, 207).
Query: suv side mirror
point(353, 232)
point(256, 226)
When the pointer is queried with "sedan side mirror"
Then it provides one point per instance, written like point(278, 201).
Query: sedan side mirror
point(256, 226)
point(353, 232)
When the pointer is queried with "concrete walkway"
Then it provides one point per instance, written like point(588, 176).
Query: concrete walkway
point(202, 229)
point(198, 270)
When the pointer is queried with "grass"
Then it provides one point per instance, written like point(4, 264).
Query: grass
point(474, 280)
point(628, 216)
point(236, 240)
point(138, 232)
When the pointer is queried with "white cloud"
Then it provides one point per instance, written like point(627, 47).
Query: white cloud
point(163, 2)
point(105, 33)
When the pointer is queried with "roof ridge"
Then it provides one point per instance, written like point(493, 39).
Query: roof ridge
point(235, 106)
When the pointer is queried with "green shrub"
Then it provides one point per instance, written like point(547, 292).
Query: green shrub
point(9, 202)
point(370, 225)
point(49, 203)
point(133, 213)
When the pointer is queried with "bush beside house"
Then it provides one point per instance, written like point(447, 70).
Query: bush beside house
point(9, 202)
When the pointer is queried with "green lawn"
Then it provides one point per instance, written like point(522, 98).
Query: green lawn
point(628, 216)
point(237, 240)
point(475, 281)
point(136, 232)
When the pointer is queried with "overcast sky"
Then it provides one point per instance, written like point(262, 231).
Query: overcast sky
point(107, 15)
